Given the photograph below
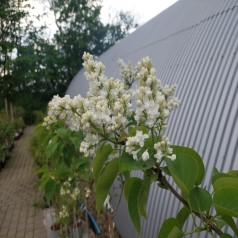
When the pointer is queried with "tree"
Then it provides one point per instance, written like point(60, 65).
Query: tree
point(11, 14)
point(36, 66)
point(122, 24)
point(81, 30)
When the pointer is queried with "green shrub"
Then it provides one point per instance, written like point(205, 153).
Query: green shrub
point(63, 172)
point(6, 136)
point(29, 118)
point(18, 124)
point(38, 143)
point(39, 116)
point(19, 112)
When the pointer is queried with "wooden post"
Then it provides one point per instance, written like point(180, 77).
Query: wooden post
point(11, 112)
point(6, 106)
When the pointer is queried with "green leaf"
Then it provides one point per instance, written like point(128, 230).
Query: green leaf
point(185, 169)
point(200, 200)
point(182, 152)
point(126, 174)
point(76, 139)
point(220, 223)
point(68, 153)
point(149, 143)
point(105, 182)
point(225, 181)
point(233, 173)
point(167, 229)
point(218, 176)
point(215, 171)
point(50, 188)
point(52, 147)
point(182, 217)
point(225, 235)
point(143, 196)
point(230, 221)
point(128, 184)
point(80, 163)
point(132, 130)
point(226, 201)
point(63, 173)
point(62, 132)
point(101, 157)
point(175, 233)
point(127, 163)
point(133, 203)
point(42, 170)
point(165, 170)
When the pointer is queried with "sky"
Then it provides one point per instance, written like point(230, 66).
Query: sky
point(143, 10)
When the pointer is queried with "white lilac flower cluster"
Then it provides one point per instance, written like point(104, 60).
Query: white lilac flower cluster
point(67, 191)
point(87, 192)
point(63, 213)
point(163, 148)
point(153, 101)
point(135, 143)
point(107, 110)
point(127, 73)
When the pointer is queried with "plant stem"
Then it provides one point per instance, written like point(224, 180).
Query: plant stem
point(162, 179)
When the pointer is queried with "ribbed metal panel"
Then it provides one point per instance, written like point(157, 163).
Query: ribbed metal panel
point(193, 44)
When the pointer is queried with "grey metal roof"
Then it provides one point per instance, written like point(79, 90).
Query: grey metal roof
point(193, 44)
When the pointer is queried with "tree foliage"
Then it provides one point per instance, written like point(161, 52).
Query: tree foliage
point(11, 15)
point(81, 30)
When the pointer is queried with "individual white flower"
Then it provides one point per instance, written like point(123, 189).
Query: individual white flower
point(134, 154)
point(145, 156)
point(165, 113)
point(88, 192)
point(75, 194)
point(158, 156)
point(62, 191)
point(140, 137)
point(172, 157)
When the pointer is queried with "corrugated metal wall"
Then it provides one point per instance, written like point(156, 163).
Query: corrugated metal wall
point(194, 44)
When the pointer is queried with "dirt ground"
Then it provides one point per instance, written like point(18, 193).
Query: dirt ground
point(105, 221)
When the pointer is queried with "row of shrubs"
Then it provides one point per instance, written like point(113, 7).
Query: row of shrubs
point(10, 129)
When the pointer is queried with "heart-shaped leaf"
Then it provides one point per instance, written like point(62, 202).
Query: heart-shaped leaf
point(226, 201)
point(100, 158)
point(105, 181)
point(170, 228)
point(200, 200)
